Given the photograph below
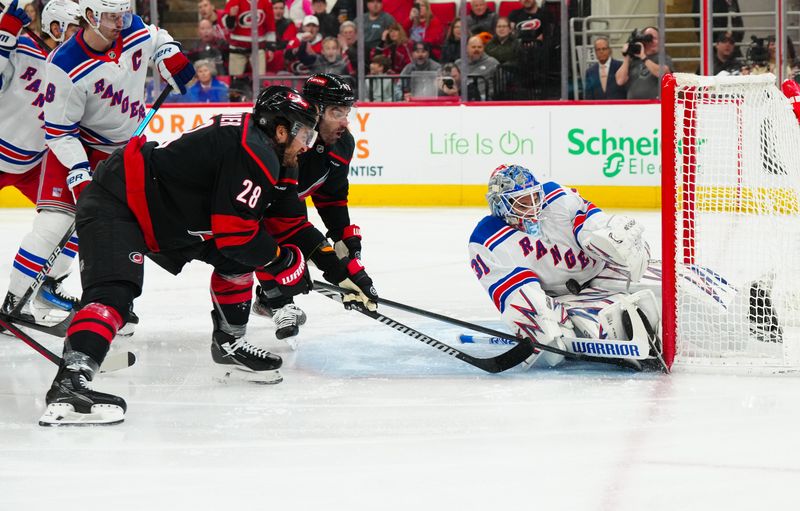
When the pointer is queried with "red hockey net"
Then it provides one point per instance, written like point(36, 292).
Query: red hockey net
point(731, 222)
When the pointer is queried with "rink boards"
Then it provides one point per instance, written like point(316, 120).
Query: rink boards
point(431, 154)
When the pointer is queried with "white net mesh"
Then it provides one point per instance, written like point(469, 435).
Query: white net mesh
point(737, 229)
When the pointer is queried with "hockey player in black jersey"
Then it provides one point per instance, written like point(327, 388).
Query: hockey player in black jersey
point(323, 177)
point(202, 196)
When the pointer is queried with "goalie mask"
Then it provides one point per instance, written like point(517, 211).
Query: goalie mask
point(62, 12)
point(516, 196)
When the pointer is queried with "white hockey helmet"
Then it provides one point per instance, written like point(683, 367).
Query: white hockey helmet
point(114, 8)
point(63, 12)
point(516, 196)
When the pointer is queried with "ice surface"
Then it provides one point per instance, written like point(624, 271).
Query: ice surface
point(368, 418)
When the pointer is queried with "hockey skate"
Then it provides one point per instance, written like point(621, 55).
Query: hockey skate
point(257, 365)
point(50, 312)
point(764, 324)
point(129, 328)
point(287, 316)
point(70, 400)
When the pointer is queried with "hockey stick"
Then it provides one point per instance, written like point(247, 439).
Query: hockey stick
point(604, 348)
point(629, 363)
point(159, 101)
point(498, 364)
point(113, 362)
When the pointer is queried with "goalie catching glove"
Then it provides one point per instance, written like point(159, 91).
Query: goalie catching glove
point(349, 274)
point(11, 22)
point(288, 270)
point(173, 66)
point(621, 243)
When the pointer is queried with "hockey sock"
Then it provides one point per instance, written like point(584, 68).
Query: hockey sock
point(48, 228)
point(233, 294)
point(92, 330)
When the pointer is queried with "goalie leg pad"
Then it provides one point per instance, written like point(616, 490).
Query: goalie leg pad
point(636, 316)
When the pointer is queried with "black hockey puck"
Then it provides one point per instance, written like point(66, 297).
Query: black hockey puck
point(573, 287)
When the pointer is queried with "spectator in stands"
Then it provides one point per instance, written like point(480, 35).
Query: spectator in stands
point(348, 41)
point(480, 67)
point(309, 42)
point(328, 24)
point(207, 89)
point(206, 11)
point(600, 82)
point(481, 19)
point(345, 10)
point(32, 11)
point(285, 29)
point(727, 19)
point(725, 60)
point(530, 10)
point(503, 46)
point(396, 46)
point(450, 83)
point(640, 71)
point(421, 62)
point(380, 87)
point(330, 60)
point(208, 47)
point(376, 23)
point(238, 21)
point(423, 27)
point(451, 49)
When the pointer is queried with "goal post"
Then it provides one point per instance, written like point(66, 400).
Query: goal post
point(730, 222)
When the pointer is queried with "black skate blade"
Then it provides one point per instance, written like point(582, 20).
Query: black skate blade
point(58, 330)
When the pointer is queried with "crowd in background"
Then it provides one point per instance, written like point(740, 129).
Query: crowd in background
point(412, 49)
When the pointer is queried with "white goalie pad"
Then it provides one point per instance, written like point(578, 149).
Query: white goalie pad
point(613, 324)
point(621, 243)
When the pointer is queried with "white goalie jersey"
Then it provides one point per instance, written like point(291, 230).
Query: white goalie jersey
point(23, 93)
point(98, 99)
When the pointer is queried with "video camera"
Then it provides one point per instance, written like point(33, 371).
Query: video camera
point(635, 42)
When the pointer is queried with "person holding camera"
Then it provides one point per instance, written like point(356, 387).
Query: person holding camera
point(640, 68)
point(423, 27)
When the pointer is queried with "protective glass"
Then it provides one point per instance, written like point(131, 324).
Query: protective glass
point(116, 20)
point(304, 134)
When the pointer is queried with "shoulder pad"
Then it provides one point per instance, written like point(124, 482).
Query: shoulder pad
point(491, 231)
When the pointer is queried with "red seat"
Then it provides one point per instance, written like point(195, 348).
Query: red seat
point(445, 12)
point(506, 6)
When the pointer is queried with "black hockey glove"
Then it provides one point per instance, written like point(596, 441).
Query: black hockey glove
point(358, 281)
point(350, 243)
point(289, 272)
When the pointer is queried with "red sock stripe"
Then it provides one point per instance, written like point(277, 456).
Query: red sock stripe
point(231, 290)
point(96, 318)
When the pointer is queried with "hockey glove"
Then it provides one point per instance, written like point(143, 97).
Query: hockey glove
point(791, 90)
point(350, 243)
point(173, 66)
point(12, 21)
point(358, 281)
point(289, 271)
point(78, 178)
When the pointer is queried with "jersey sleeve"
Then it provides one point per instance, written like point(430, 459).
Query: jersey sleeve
point(566, 206)
point(159, 36)
point(62, 118)
point(330, 199)
point(513, 287)
point(237, 210)
point(286, 220)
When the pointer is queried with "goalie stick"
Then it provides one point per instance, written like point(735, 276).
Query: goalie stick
point(113, 362)
point(498, 364)
point(605, 348)
point(627, 363)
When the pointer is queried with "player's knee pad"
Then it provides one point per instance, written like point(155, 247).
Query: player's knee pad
point(118, 296)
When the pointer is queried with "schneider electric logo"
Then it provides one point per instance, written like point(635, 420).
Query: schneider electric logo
point(633, 155)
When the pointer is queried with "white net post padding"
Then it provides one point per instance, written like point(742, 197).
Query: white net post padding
point(736, 223)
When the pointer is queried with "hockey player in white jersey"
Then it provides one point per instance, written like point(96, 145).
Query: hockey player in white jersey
point(557, 266)
point(93, 102)
point(23, 93)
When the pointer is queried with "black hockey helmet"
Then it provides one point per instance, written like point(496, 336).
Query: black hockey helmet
point(279, 104)
point(327, 89)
